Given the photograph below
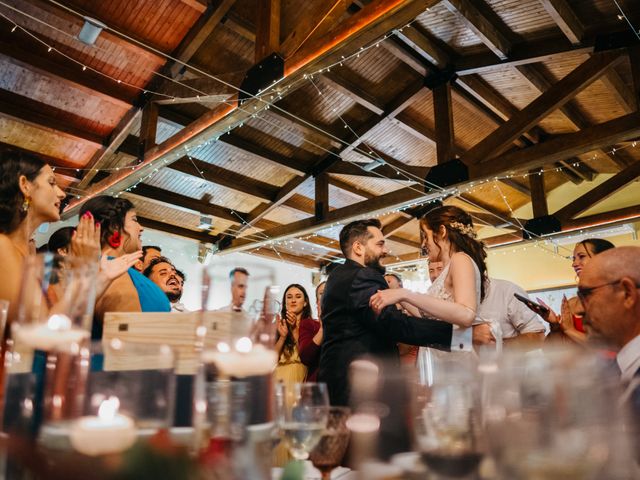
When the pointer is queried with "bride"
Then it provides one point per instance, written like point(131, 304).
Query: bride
point(447, 236)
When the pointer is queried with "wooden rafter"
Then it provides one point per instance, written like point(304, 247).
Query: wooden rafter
point(380, 203)
point(566, 19)
point(541, 81)
point(353, 91)
point(45, 117)
point(538, 194)
point(312, 22)
point(267, 28)
point(396, 224)
point(443, 115)
point(478, 17)
point(198, 34)
point(552, 99)
point(426, 45)
point(70, 74)
point(326, 162)
point(321, 196)
point(599, 193)
point(562, 146)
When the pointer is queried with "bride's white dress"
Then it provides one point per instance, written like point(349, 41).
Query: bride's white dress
point(461, 340)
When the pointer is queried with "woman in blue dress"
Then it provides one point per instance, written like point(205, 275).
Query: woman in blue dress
point(120, 235)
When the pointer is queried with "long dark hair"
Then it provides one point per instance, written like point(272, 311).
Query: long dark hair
point(110, 212)
point(594, 246)
point(290, 343)
point(13, 165)
point(459, 227)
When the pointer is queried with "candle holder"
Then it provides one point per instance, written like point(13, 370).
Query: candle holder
point(47, 360)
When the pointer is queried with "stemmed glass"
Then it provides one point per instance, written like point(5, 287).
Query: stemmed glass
point(447, 427)
point(302, 410)
point(555, 416)
point(328, 453)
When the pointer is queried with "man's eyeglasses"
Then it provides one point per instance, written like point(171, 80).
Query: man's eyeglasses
point(585, 292)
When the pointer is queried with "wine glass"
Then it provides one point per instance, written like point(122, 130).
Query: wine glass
point(554, 416)
point(328, 453)
point(447, 429)
point(301, 413)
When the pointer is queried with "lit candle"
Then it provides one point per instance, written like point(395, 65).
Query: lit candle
point(57, 333)
point(245, 361)
point(109, 432)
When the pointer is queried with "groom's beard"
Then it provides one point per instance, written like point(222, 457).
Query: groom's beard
point(374, 262)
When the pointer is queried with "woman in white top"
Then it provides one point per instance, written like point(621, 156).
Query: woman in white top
point(448, 236)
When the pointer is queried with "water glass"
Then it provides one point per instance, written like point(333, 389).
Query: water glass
point(301, 414)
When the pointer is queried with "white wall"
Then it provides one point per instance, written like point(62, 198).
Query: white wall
point(184, 253)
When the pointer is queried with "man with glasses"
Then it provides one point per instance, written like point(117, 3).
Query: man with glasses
point(609, 292)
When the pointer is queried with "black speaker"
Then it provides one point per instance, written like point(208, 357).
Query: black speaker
point(261, 75)
point(539, 226)
point(445, 175)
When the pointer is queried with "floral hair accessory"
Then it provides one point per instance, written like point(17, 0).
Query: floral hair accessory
point(463, 229)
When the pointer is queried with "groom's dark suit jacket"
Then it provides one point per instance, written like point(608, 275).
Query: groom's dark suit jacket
point(352, 329)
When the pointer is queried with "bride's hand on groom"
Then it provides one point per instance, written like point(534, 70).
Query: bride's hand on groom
point(384, 298)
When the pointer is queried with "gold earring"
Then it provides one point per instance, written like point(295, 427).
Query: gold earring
point(25, 204)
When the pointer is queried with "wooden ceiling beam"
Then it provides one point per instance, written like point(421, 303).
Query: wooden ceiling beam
point(538, 194)
point(486, 25)
point(634, 63)
point(226, 178)
point(141, 47)
point(310, 225)
point(345, 86)
point(321, 196)
point(623, 94)
point(197, 5)
point(115, 140)
point(516, 186)
point(404, 241)
point(52, 66)
point(44, 117)
point(562, 146)
point(426, 45)
point(175, 230)
point(565, 18)
point(542, 82)
point(544, 50)
point(599, 193)
point(552, 99)
point(292, 165)
point(395, 225)
point(269, 252)
point(315, 15)
point(198, 34)
point(267, 28)
point(325, 163)
point(443, 117)
point(348, 187)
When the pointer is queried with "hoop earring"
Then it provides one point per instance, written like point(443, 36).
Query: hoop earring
point(26, 204)
point(115, 240)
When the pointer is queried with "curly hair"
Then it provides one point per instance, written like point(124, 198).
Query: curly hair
point(13, 165)
point(290, 343)
point(110, 212)
point(458, 223)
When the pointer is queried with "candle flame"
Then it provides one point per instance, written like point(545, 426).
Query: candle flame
point(59, 322)
point(244, 345)
point(109, 408)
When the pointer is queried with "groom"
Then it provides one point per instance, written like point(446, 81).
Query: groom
point(351, 328)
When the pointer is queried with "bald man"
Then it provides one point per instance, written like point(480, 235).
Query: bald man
point(609, 289)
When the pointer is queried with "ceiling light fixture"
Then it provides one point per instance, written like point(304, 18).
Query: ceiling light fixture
point(90, 30)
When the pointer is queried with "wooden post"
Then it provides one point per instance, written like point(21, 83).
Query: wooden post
point(267, 28)
point(148, 127)
point(444, 122)
point(538, 196)
point(322, 196)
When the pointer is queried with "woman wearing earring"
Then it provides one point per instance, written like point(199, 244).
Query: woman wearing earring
point(29, 197)
point(120, 236)
point(448, 236)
